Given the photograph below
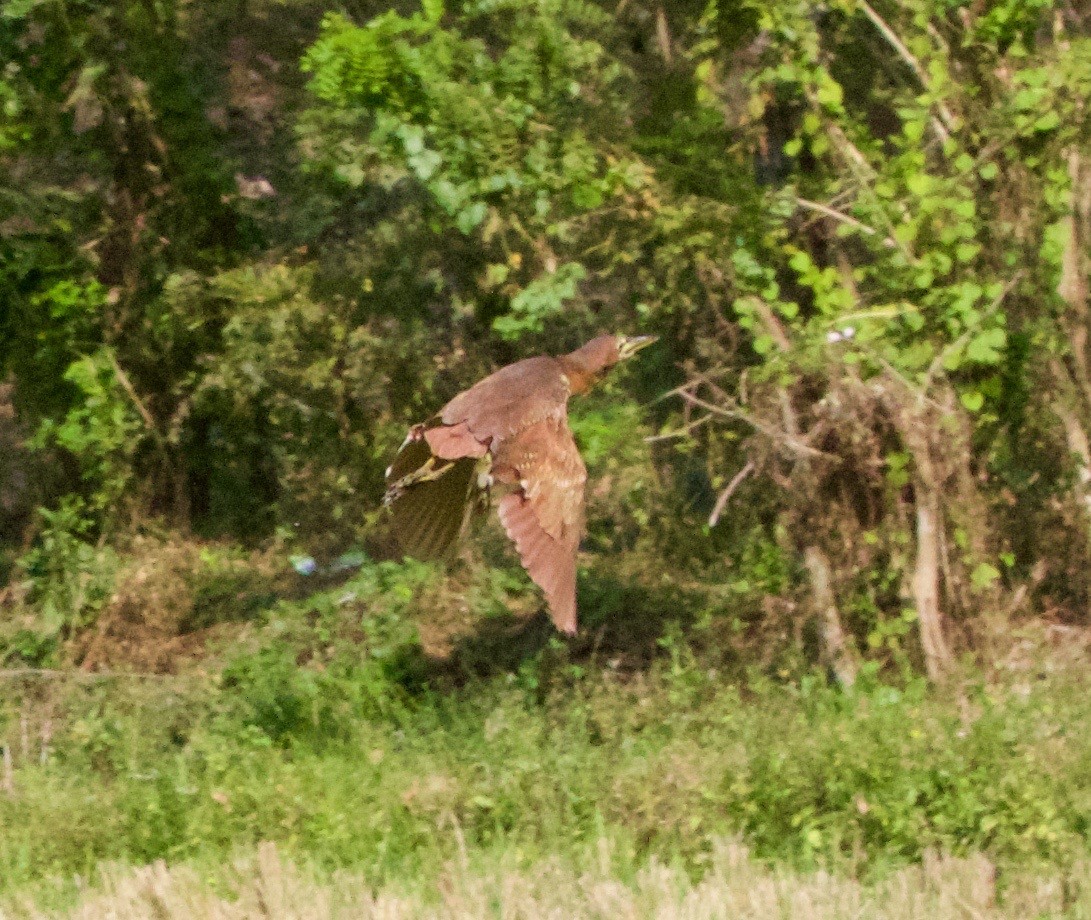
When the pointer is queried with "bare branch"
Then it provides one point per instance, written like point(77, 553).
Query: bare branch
point(725, 495)
point(844, 218)
point(773, 326)
point(678, 433)
point(130, 390)
point(663, 34)
point(773, 434)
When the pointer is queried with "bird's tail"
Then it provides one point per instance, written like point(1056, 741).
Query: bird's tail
point(432, 499)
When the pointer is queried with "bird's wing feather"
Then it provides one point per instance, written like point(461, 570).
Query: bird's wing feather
point(550, 563)
point(544, 515)
point(431, 498)
point(452, 442)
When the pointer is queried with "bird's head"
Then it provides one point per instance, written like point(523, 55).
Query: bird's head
point(587, 364)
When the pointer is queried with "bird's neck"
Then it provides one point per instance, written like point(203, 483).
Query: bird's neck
point(580, 377)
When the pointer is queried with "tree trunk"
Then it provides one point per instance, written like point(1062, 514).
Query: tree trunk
point(925, 584)
point(836, 649)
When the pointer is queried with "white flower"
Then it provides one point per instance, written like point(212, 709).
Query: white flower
point(848, 332)
point(833, 336)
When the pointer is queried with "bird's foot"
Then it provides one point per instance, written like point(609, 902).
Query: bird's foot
point(427, 472)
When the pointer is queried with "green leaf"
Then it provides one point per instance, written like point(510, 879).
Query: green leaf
point(425, 164)
point(972, 401)
point(763, 344)
point(984, 575)
point(541, 298)
point(470, 218)
point(985, 347)
point(967, 251)
point(919, 183)
point(587, 196)
point(1048, 121)
point(829, 92)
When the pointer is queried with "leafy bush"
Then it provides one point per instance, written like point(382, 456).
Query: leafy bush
point(68, 581)
point(884, 770)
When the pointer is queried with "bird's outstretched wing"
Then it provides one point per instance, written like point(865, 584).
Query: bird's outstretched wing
point(433, 495)
point(507, 402)
point(544, 514)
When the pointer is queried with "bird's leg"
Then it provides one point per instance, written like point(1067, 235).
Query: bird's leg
point(484, 485)
point(426, 472)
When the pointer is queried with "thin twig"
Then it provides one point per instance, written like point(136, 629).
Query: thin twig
point(678, 433)
point(864, 172)
point(127, 386)
point(663, 34)
point(941, 125)
point(858, 162)
point(705, 376)
point(770, 432)
point(725, 495)
point(773, 325)
point(844, 218)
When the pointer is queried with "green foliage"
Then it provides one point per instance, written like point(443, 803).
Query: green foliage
point(69, 580)
point(868, 772)
point(242, 248)
point(492, 131)
point(549, 761)
point(363, 650)
point(301, 378)
point(535, 304)
point(101, 429)
point(274, 698)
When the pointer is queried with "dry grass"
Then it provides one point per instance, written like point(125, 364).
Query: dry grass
point(734, 887)
point(171, 598)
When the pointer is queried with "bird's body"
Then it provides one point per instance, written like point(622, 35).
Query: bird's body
point(509, 429)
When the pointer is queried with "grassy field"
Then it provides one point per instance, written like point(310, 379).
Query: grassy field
point(321, 759)
point(733, 886)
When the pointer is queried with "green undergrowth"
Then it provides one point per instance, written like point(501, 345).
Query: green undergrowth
point(329, 730)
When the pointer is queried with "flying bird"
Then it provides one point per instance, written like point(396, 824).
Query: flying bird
point(509, 432)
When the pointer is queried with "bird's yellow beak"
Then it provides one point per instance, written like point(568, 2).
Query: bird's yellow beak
point(631, 344)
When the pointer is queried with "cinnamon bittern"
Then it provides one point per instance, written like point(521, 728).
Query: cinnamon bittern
point(509, 431)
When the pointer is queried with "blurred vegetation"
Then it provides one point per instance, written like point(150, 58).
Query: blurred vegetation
point(330, 731)
point(244, 244)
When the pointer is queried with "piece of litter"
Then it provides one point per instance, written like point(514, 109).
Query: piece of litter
point(304, 565)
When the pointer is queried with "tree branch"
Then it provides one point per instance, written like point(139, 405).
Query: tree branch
point(778, 436)
point(725, 495)
point(942, 125)
point(844, 219)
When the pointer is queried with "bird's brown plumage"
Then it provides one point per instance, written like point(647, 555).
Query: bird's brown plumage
point(512, 429)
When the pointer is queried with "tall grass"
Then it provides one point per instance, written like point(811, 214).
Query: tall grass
point(734, 886)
